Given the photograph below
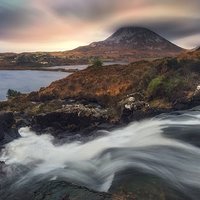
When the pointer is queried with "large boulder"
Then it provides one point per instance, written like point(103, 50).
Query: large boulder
point(7, 131)
point(6, 122)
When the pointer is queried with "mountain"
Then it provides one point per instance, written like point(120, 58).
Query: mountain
point(129, 43)
point(139, 39)
point(198, 49)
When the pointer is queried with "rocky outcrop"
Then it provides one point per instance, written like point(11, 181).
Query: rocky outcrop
point(71, 117)
point(7, 131)
point(62, 117)
point(133, 106)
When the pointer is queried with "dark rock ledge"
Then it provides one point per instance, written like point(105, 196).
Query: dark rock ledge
point(8, 130)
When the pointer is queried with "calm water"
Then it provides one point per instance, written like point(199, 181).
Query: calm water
point(26, 81)
point(81, 67)
point(78, 67)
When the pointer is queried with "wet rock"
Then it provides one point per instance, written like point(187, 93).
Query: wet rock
point(22, 120)
point(7, 131)
point(134, 185)
point(60, 190)
point(6, 122)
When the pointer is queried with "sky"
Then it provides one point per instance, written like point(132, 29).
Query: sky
point(58, 25)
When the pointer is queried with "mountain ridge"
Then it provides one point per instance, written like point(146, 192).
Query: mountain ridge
point(129, 43)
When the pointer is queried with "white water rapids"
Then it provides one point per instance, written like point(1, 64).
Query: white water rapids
point(147, 146)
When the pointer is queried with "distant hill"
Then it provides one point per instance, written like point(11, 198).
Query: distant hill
point(129, 43)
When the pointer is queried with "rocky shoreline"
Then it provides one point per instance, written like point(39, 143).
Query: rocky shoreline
point(81, 118)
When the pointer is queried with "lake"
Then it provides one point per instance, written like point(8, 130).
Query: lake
point(81, 67)
point(26, 81)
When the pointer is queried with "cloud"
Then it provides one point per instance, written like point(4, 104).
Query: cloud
point(176, 28)
point(172, 28)
point(85, 21)
point(15, 17)
point(89, 10)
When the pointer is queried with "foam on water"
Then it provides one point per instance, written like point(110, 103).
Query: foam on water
point(141, 146)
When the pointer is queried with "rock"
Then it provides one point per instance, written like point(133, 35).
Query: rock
point(133, 105)
point(72, 117)
point(2, 172)
point(188, 102)
point(197, 91)
point(133, 185)
point(52, 190)
point(6, 122)
point(7, 132)
point(60, 190)
point(133, 102)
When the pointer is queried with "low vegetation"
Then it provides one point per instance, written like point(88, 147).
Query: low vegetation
point(165, 87)
point(96, 62)
point(12, 93)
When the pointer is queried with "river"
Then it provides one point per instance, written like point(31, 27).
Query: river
point(161, 146)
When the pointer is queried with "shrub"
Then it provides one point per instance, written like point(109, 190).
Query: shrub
point(166, 87)
point(155, 85)
point(96, 62)
point(172, 85)
point(12, 93)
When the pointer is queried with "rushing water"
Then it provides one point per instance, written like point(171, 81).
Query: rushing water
point(148, 146)
point(26, 81)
